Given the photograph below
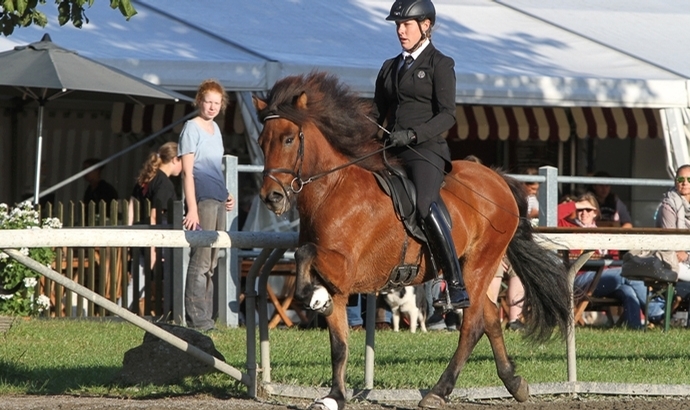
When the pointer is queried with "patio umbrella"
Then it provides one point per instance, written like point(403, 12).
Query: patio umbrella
point(43, 71)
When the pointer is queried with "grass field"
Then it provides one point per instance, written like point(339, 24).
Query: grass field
point(81, 357)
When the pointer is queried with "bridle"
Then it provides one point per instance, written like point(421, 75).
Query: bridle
point(298, 183)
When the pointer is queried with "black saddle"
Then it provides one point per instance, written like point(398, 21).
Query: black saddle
point(394, 182)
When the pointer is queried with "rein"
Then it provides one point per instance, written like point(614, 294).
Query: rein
point(298, 183)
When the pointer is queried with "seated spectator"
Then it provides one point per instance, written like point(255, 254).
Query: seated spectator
point(674, 213)
point(581, 212)
point(631, 293)
point(613, 210)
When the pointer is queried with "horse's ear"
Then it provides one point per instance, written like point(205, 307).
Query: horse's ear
point(259, 104)
point(301, 102)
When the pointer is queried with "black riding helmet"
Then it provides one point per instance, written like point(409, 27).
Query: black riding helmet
point(412, 9)
point(418, 10)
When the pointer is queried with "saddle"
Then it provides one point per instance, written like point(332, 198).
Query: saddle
point(394, 182)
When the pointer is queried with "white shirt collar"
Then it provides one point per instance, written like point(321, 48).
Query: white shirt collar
point(418, 51)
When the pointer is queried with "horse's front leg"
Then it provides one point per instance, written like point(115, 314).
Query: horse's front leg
point(338, 333)
point(315, 292)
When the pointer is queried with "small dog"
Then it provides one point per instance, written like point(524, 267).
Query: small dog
point(409, 301)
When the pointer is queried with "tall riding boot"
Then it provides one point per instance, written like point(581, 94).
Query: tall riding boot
point(441, 245)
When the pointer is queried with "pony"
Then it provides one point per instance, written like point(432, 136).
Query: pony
point(321, 151)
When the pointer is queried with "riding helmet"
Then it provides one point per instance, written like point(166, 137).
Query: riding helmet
point(412, 9)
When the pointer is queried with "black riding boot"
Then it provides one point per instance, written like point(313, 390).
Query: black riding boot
point(441, 245)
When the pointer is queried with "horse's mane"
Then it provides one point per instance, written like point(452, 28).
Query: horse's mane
point(339, 114)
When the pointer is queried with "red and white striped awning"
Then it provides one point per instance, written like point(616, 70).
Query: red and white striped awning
point(482, 122)
point(137, 119)
point(551, 123)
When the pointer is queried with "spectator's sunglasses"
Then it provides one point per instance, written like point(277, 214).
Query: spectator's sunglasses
point(680, 180)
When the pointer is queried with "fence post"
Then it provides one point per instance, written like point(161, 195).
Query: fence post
point(228, 262)
point(548, 197)
point(179, 267)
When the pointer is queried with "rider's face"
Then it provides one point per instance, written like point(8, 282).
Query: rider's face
point(409, 33)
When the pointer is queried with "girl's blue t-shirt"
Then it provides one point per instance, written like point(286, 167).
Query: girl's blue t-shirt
point(208, 150)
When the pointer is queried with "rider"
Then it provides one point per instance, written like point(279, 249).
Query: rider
point(415, 95)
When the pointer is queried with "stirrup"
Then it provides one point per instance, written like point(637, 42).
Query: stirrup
point(447, 305)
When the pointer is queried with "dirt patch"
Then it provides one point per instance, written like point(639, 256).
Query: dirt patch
point(209, 403)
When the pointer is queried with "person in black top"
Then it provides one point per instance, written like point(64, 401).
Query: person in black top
point(415, 96)
point(154, 184)
point(98, 189)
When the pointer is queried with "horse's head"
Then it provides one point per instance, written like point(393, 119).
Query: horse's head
point(282, 142)
point(313, 125)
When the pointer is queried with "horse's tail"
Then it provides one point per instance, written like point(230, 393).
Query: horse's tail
point(543, 275)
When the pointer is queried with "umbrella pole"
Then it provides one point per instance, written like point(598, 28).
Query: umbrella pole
point(39, 147)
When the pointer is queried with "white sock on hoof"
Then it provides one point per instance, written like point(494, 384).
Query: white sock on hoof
point(319, 298)
point(328, 402)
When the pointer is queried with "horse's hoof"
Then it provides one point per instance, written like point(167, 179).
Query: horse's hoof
point(321, 301)
point(432, 401)
point(522, 392)
point(327, 309)
point(325, 403)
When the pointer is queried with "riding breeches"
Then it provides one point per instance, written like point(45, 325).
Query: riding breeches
point(425, 168)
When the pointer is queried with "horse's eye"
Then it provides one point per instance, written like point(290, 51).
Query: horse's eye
point(289, 139)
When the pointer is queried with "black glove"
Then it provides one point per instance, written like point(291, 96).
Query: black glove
point(402, 138)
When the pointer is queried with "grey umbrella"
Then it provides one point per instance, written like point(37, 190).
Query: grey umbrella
point(43, 71)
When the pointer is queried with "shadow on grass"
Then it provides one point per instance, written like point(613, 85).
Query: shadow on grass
point(95, 380)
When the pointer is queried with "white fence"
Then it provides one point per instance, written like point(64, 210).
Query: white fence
point(673, 240)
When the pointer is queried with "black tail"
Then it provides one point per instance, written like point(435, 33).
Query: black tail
point(547, 293)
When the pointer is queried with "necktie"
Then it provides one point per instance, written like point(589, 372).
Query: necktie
point(405, 65)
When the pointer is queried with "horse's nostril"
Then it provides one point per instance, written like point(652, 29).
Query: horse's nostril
point(274, 197)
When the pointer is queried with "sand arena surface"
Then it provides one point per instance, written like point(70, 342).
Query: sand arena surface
point(210, 403)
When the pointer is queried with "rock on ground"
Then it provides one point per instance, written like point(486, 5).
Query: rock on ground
point(158, 362)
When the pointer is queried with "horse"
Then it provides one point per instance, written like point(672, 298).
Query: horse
point(321, 152)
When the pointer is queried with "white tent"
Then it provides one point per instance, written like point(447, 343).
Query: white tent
point(507, 52)
point(504, 55)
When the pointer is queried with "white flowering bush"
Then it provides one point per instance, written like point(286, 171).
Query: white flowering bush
point(24, 301)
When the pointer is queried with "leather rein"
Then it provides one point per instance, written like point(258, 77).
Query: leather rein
point(298, 183)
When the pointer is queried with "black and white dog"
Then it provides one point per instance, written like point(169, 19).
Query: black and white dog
point(410, 301)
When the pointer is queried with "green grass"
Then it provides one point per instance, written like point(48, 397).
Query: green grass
point(82, 357)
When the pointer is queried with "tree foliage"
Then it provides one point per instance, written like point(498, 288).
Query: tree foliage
point(23, 13)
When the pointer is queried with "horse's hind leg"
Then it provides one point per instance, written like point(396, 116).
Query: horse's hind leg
point(338, 333)
point(472, 330)
point(516, 385)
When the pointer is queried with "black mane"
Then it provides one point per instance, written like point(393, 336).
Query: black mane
point(334, 109)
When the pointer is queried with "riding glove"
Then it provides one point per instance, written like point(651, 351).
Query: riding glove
point(401, 138)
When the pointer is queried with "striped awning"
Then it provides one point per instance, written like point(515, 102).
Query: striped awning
point(485, 122)
point(482, 122)
point(148, 119)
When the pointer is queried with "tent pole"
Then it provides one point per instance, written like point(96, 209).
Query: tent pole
point(39, 147)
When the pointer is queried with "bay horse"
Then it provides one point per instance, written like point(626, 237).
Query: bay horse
point(321, 152)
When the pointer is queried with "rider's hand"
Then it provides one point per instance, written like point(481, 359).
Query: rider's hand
point(401, 138)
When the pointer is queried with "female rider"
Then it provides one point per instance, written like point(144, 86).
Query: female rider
point(415, 95)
